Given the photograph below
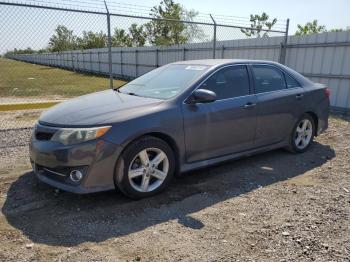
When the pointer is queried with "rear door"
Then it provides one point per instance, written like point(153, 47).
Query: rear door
point(226, 125)
point(279, 103)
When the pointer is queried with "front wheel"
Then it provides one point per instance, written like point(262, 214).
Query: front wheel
point(145, 168)
point(302, 135)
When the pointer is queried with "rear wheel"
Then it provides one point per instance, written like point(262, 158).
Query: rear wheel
point(145, 168)
point(302, 135)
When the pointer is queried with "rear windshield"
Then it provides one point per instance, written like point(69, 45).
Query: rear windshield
point(164, 82)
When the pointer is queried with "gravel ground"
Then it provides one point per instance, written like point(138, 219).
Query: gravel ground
point(36, 99)
point(19, 119)
point(271, 207)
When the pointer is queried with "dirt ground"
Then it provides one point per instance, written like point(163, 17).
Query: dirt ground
point(271, 207)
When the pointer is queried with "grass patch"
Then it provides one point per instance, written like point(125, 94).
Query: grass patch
point(22, 79)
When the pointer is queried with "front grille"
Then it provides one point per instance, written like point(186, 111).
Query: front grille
point(43, 135)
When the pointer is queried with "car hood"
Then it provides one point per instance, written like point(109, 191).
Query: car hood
point(98, 108)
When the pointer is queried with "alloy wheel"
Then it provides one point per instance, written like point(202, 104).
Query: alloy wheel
point(303, 134)
point(148, 169)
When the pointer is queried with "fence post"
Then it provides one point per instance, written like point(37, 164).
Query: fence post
point(83, 60)
point(110, 67)
point(121, 63)
point(283, 50)
point(72, 57)
point(77, 56)
point(156, 58)
point(136, 63)
point(214, 38)
point(91, 61)
point(99, 62)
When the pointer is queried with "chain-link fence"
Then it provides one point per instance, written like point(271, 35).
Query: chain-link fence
point(52, 51)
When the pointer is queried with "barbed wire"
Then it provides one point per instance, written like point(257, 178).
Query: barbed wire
point(143, 11)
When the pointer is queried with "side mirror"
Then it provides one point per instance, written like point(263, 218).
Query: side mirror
point(203, 96)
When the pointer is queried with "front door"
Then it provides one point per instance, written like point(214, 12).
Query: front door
point(226, 125)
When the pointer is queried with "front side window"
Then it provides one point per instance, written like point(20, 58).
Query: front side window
point(267, 79)
point(164, 82)
point(229, 82)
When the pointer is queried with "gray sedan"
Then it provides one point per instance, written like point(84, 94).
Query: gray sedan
point(176, 118)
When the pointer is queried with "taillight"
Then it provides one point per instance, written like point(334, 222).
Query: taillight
point(327, 91)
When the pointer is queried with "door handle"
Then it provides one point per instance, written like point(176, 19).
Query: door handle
point(249, 105)
point(299, 96)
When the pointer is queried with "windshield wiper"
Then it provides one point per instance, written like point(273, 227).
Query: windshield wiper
point(132, 94)
point(128, 93)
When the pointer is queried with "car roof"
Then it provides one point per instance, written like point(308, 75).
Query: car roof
point(218, 62)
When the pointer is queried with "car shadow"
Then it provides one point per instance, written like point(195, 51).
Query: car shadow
point(66, 219)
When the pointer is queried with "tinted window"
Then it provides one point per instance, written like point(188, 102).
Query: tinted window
point(232, 81)
point(291, 82)
point(164, 82)
point(268, 78)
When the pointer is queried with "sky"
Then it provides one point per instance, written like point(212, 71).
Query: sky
point(332, 13)
point(22, 27)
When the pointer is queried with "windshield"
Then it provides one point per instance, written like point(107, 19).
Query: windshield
point(164, 82)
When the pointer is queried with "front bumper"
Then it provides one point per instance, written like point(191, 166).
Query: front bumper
point(52, 163)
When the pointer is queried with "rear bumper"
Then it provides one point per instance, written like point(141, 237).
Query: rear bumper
point(52, 163)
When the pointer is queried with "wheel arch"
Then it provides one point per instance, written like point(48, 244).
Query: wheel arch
point(166, 138)
point(315, 118)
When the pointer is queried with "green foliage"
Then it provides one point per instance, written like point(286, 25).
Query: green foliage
point(138, 35)
point(28, 50)
point(63, 39)
point(16, 51)
point(169, 31)
point(91, 40)
point(121, 38)
point(314, 28)
point(259, 23)
point(340, 29)
point(310, 28)
point(155, 32)
point(192, 31)
point(135, 37)
point(163, 32)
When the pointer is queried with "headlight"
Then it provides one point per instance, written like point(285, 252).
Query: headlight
point(70, 136)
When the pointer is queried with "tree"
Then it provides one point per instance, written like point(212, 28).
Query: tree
point(340, 29)
point(162, 32)
point(165, 32)
point(91, 40)
point(259, 23)
point(16, 51)
point(138, 35)
point(310, 28)
point(62, 40)
point(121, 38)
point(135, 37)
point(192, 31)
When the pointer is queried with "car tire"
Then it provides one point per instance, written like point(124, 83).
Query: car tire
point(302, 135)
point(136, 178)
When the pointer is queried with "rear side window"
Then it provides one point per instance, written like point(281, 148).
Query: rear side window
point(267, 79)
point(291, 82)
point(229, 82)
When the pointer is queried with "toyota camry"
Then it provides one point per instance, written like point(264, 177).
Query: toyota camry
point(178, 117)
